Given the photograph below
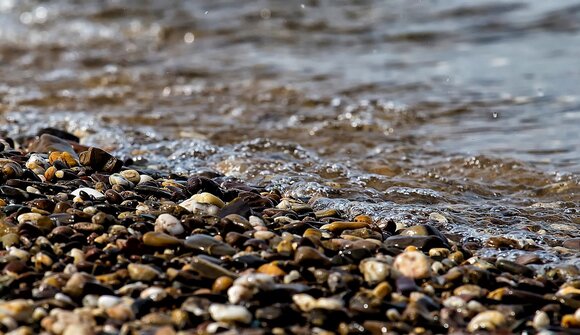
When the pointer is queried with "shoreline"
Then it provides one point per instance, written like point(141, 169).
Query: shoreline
point(90, 246)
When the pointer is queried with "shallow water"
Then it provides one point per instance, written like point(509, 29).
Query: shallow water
point(397, 109)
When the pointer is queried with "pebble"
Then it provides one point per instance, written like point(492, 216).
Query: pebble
point(488, 320)
point(131, 175)
point(572, 243)
point(105, 249)
point(340, 226)
point(157, 239)
point(413, 264)
point(142, 272)
point(197, 207)
point(209, 245)
point(106, 301)
point(306, 303)
point(308, 256)
point(48, 143)
point(90, 191)
point(375, 270)
point(541, 320)
point(18, 309)
point(230, 313)
point(118, 179)
point(170, 224)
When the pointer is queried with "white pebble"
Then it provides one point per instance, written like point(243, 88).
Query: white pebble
point(541, 320)
point(169, 223)
point(374, 270)
point(413, 264)
point(230, 313)
point(89, 191)
point(488, 320)
point(106, 301)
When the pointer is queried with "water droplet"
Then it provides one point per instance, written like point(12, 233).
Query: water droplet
point(495, 115)
point(26, 18)
point(303, 6)
point(206, 12)
point(189, 37)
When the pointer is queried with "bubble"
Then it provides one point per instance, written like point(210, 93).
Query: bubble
point(189, 37)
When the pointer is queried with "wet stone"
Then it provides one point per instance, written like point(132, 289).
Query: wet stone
point(100, 160)
point(422, 242)
point(513, 267)
point(230, 313)
point(157, 239)
point(142, 272)
point(413, 264)
point(308, 256)
point(170, 224)
point(572, 243)
point(209, 245)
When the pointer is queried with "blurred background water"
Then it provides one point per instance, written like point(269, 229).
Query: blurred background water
point(394, 108)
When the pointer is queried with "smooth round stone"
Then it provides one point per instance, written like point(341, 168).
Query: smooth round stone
point(142, 272)
point(78, 329)
point(438, 253)
point(200, 208)
point(18, 309)
point(239, 293)
point(470, 290)
point(145, 178)
point(208, 198)
point(230, 313)
point(154, 293)
point(255, 221)
point(118, 179)
point(541, 320)
point(438, 218)
point(31, 217)
point(10, 239)
point(120, 312)
point(90, 191)
point(488, 320)
point(307, 303)
point(514, 268)
point(256, 280)
point(339, 226)
point(157, 239)
point(209, 245)
point(308, 256)
point(169, 223)
point(271, 269)
point(48, 143)
point(374, 270)
point(422, 242)
point(326, 213)
point(221, 284)
point(106, 301)
point(528, 258)
point(209, 270)
point(413, 264)
point(572, 243)
point(264, 235)
point(131, 175)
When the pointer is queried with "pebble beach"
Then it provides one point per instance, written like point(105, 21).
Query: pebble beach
point(279, 167)
point(94, 246)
